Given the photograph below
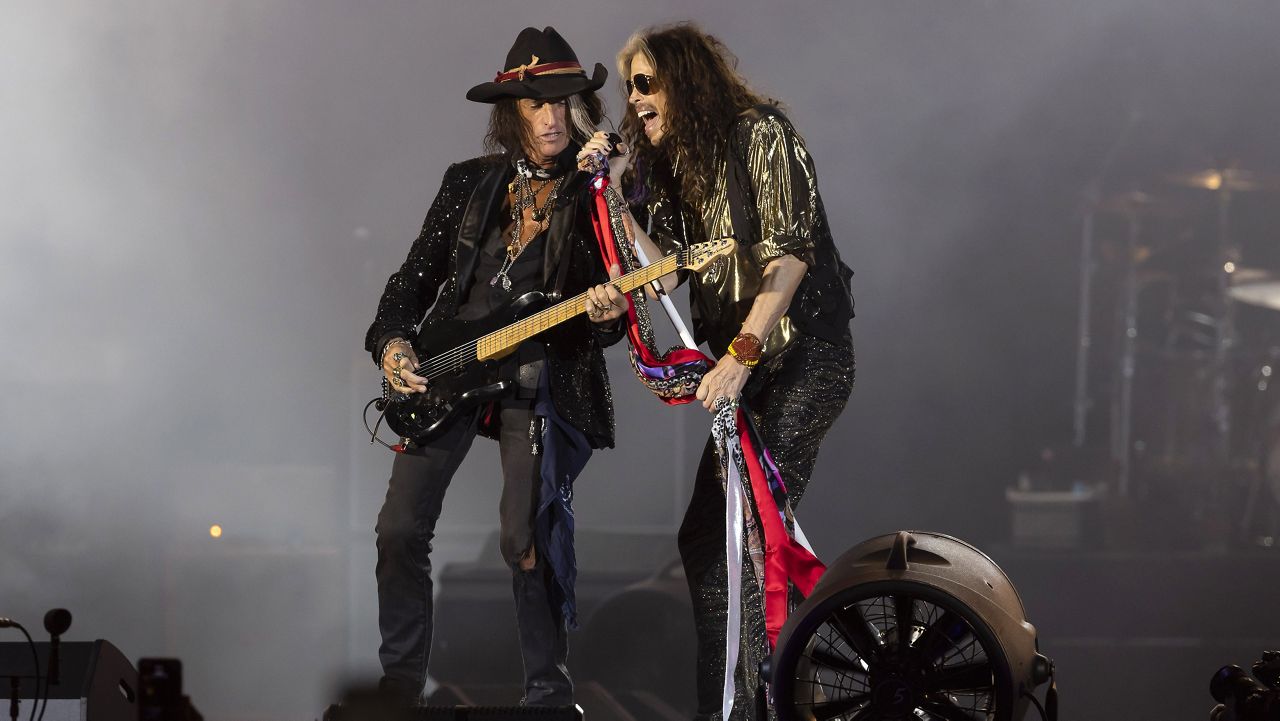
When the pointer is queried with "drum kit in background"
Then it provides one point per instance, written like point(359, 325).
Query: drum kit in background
point(1179, 337)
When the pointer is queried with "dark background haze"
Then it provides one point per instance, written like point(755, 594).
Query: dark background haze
point(202, 201)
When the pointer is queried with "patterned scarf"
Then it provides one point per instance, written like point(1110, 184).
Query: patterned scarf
point(672, 376)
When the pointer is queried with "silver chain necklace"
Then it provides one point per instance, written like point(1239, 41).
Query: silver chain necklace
point(525, 197)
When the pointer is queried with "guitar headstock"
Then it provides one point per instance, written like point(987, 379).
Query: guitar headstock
point(700, 255)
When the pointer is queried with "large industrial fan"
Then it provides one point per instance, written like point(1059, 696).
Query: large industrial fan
point(912, 625)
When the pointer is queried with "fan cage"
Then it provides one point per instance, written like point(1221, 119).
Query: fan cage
point(841, 686)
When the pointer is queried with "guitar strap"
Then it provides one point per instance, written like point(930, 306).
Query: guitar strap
point(562, 271)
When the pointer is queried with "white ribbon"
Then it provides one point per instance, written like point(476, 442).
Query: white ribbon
point(724, 428)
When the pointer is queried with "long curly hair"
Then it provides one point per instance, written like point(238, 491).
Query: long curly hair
point(508, 133)
point(704, 94)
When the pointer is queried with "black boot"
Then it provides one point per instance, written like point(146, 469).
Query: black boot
point(544, 643)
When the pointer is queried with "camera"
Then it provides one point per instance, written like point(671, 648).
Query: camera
point(160, 687)
point(1242, 697)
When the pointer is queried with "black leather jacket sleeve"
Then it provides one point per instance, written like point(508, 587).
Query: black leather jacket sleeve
point(411, 290)
point(609, 333)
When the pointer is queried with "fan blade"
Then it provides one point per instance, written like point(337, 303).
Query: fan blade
point(849, 622)
point(833, 709)
point(945, 709)
point(941, 636)
point(836, 662)
point(962, 677)
point(903, 616)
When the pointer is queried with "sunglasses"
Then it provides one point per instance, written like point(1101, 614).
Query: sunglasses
point(643, 83)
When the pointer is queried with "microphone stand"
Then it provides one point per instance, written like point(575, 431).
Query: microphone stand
point(1082, 402)
point(15, 680)
point(56, 622)
point(685, 336)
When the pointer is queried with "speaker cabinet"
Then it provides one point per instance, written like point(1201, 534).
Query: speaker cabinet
point(96, 681)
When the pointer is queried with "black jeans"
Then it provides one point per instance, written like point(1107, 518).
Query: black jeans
point(406, 525)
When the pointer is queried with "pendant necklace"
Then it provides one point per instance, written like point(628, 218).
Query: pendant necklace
point(525, 197)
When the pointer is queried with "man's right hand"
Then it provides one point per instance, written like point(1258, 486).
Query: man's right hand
point(398, 362)
point(599, 144)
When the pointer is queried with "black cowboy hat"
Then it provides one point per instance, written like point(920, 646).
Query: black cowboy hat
point(539, 65)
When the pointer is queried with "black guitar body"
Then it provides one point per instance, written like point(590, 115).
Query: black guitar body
point(460, 384)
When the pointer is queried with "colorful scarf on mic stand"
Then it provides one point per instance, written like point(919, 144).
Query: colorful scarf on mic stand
point(759, 522)
point(673, 376)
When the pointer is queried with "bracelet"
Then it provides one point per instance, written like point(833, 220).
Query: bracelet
point(746, 349)
point(382, 361)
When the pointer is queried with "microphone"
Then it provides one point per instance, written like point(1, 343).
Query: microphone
point(614, 141)
point(56, 622)
point(597, 162)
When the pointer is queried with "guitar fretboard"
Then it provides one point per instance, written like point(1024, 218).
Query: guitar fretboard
point(502, 340)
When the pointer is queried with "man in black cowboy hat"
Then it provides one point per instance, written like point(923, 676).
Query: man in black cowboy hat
point(503, 225)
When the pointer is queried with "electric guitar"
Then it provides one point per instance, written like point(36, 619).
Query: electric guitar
point(461, 377)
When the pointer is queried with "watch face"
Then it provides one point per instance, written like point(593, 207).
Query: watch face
point(746, 345)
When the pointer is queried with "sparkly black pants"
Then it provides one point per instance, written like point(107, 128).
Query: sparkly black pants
point(794, 399)
point(406, 525)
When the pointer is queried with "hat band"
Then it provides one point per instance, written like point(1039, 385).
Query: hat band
point(566, 67)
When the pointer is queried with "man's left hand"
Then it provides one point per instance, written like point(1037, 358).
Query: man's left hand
point(725, 380)
point(605, 303)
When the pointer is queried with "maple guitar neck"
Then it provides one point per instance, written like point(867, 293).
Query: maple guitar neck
point(499, 342)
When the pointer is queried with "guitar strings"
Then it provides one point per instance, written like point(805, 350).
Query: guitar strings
point(448, 360)
point(451, 359)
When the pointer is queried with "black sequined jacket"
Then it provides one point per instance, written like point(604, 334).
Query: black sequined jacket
point(441, 264)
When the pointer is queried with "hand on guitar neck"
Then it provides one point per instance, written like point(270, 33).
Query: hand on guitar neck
point(398, 362)
point(459, 353)
point(605, 303)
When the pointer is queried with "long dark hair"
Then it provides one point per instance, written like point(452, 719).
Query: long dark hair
point(704, 94)
point(508, 133)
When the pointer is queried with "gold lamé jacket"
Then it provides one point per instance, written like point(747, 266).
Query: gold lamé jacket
point(765, 195)
point(438, 272)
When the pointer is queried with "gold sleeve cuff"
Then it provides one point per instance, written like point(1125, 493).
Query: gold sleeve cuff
point(769, 250)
